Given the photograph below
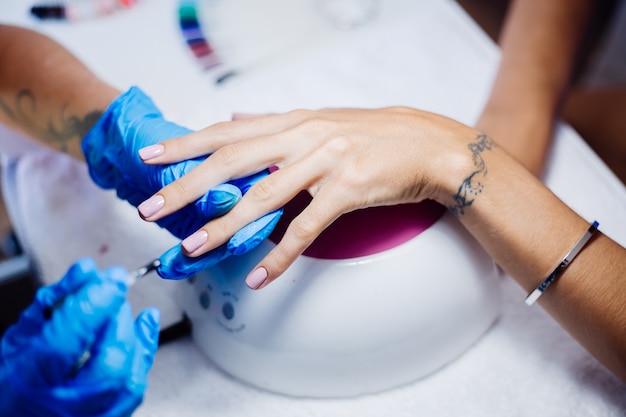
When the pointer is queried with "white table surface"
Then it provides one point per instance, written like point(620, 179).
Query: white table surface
point(426, 54)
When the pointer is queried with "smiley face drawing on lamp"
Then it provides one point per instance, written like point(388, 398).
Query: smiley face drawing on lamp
point(385, 296)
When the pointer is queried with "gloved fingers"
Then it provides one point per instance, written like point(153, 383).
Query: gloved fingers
point(254, 233)
point(131, 122)
point(29, 326)
point(101, 169)
point(217, 201)
point(146, 329)
point(158, 176)
point(139, 123)
point(31, 319)
point(79, 274)
point(78, 321)
point(110, 354)
point(114, 381)
point(176, 265)
point(132, 106)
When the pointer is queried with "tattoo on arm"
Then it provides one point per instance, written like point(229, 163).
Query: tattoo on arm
point(472, 186)
point(58, 133)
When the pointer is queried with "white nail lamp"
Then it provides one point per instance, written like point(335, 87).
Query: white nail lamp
point(384, 297)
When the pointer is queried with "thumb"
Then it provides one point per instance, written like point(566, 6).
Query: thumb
point(147, 332)
point(147, 329)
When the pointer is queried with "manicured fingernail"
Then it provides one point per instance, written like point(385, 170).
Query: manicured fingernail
point(151, 151)
point(256, 278)
point(193, 242)
point(151, 206)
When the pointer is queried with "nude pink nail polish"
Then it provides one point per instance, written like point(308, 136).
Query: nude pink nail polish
point(151, 206)
point(151, 151)
point(193, 242)
point(256, 278)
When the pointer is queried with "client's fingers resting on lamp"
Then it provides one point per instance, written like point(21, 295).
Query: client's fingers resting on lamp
point(346, 158)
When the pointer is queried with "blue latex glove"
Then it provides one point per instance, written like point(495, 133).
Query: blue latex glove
point(41, 372)
point(111, 148)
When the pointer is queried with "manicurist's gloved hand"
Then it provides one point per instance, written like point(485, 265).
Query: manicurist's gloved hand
point(87, 357)
point(111, 148)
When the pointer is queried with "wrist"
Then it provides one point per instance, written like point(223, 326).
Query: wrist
point(459, 171)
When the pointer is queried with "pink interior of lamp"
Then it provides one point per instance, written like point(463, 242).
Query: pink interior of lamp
point(363, 232)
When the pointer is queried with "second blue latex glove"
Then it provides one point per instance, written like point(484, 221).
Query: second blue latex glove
point(44, 366)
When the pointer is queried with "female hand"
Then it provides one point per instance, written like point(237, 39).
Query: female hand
point(346, 159)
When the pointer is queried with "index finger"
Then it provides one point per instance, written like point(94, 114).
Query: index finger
point(211, 138)
point(72, 329)
point(230, 162)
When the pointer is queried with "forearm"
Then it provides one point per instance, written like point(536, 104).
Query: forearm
point(528, 230)
point(539, 45)
point(46, 92)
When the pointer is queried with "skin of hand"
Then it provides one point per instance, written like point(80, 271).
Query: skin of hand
point(349, 159)
point(340, 165)
point(58, 114)
point(539, 44)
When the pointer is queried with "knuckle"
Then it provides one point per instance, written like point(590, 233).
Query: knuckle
point(220, 229)
point(303, 230)
point(301, 114)
point(353, 177)
point(178, 187)
point(279, 260)
point(263, 190)
point(337, 146)
point(219, 129)
point(314, 124)
point(227, 155)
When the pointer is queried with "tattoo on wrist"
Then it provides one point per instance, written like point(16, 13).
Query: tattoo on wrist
point(472, 186)
point(57, 131)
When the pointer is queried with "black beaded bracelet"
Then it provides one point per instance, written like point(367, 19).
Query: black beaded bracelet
point(533, 296)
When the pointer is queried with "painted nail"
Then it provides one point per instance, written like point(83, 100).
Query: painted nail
point(151, 151)
point(193, 242)
point(256, 278)
point(151, 206)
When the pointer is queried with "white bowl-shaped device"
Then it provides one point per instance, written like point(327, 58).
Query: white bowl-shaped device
point(384, 297)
